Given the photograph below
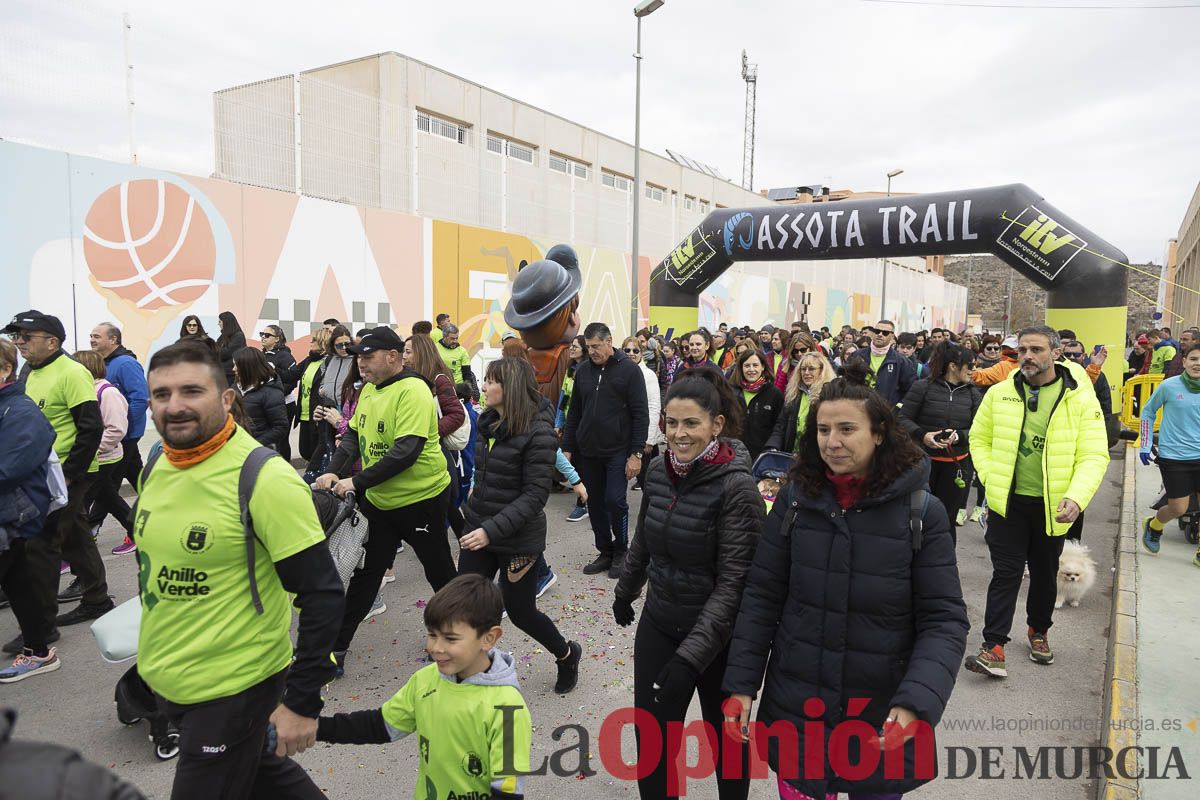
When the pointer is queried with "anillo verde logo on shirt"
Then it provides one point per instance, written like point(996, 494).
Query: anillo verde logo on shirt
point(196, 539)
point(181, 583)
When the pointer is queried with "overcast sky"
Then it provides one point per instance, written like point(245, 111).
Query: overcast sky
point(1099, 110)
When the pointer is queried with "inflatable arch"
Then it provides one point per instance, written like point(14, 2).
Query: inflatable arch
point(1084, 275)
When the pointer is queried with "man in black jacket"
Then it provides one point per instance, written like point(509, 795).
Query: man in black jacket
point(606, 428)
point(890, 373)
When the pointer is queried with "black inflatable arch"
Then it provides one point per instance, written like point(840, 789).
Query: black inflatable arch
point(1084, 275)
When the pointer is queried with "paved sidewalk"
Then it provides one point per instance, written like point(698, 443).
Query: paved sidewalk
point(1168, 657)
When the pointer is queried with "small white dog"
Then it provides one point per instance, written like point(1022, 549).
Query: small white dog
point(1076, 573)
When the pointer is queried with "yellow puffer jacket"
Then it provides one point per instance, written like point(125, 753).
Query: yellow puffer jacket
point(1075, 456)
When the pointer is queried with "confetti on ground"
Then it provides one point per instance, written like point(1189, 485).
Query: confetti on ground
point(419, 604)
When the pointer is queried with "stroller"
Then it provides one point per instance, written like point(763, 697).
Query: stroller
point(345, 529)
point(770, 472)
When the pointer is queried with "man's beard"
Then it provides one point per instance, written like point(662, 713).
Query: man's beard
point(207, 428)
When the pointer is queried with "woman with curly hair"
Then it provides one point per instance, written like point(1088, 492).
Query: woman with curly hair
point(803, 387)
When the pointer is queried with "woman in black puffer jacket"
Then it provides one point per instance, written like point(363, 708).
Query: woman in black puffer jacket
point(266, 406)
point(505, 514)
point(696, 532)
point(852, 616)
point(761, 401)
point(938, 412)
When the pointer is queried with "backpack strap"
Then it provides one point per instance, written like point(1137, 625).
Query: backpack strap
point(246, 480)
point(151, 460)
point(918, 504)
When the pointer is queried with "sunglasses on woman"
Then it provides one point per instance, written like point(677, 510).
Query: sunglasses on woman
point(992, 347)
point(633, 351)
point(340, 345)
point(799, 351)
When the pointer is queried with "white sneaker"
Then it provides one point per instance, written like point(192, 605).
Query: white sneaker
point(377, 608)
point(389, 577)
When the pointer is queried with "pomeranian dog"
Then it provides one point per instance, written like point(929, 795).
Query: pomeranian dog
point(1076, 573)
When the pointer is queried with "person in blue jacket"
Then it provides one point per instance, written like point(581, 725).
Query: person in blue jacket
point(125, 373)
point(1178, 447)
point(24, 504)
point(888, 372)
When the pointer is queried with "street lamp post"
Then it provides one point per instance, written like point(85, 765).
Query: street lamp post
point(642, 9)
point(883, 289)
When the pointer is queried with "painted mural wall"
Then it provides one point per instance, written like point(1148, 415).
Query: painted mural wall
point(93, 241)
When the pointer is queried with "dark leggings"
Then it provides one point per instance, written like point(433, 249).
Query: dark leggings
point(104, 497)
point(652, 649)
point(942, 486)
point(520, 598)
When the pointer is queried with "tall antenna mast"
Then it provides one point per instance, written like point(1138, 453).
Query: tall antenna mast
point(750, 76)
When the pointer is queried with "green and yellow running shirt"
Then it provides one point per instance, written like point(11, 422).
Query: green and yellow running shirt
point(200, 636)
point(456, 358)
point(1028, 476)
point(461, 733)
point(404, 407)
point(876, 363)
point(58, 387)
point(305, 395)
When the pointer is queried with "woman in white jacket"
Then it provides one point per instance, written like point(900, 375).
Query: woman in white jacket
point(114, 413)
point(654, 436)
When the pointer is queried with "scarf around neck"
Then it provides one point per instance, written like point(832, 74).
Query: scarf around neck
point(191, 456)
point(1191, 383)
point(681, 468)
point(754, 386)
point(875, 351)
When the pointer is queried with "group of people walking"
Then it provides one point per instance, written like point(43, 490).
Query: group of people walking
point(844, 586)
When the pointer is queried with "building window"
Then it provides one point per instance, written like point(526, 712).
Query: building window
point(568, 166)
point(689, 203)
point(654, 193)
point(615, 181)
point(501, 146)
point(427, 123)
point(703, 206)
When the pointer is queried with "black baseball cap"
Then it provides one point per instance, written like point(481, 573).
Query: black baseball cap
point(381, 338)
point(34, 320)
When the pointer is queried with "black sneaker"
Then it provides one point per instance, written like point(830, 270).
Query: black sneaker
point(618, 563)
point(16, 645)
point(339, 663)
point(601, 564)
point(73, 592)
point(568, 669)
point(85, 612)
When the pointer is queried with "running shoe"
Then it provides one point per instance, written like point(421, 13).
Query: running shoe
point(961, 518)
point(977, 513)
point(1039, 648)
point(378, 607)
point(389, 576)
point(400, 547)
point(989, 661)
point(568, 668)
point(339, 663)
point(73, 592)
point(85, 612)
point(579, 513)
point(27, 665)
point(545, 582)
point(1150, 537)
point(127, 546)
point(64, 568)
point(96, 530)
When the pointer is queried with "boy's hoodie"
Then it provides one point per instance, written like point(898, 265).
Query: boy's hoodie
point(462, 728)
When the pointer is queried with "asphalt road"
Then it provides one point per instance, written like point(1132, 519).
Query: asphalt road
point(73, 706)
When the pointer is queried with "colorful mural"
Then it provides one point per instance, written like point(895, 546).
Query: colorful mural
point(91, 240)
